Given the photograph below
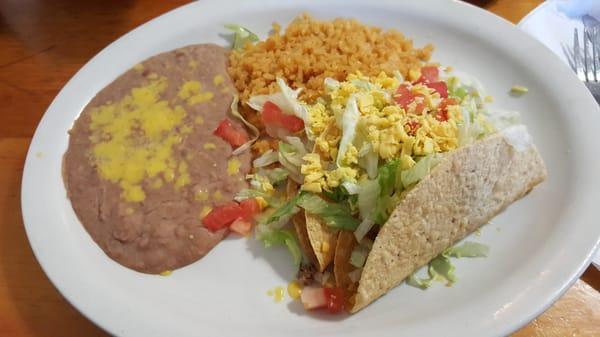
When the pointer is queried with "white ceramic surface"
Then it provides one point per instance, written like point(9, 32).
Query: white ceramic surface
point(555, 30)
point(539, 245)
point(551, 27)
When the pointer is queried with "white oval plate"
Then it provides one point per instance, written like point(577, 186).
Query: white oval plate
point(539, 246)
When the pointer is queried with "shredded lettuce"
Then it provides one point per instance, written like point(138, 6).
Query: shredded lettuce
point(353, 204)
point(238, 115)
point(337, 194)
point(419, 171)
point(331, 84)
point(378, 198)
point(359, 256)
point(292, 245)
point(260, 182)
point(294, 106)
point(266, 159)
point(362, 84)
point(251, 193)
point(367, 158)
point(275, 237)
point(398, 76)
point(387, 177)
point(468, 249)
point(367, 198)
point(471, 94)
point(290, 157)
point(351, 187)
point(441, 268)
point(286, 211)
point(421, 283)
point(297, 144)
point(287, 100)
point(467, 109)
point(257, 102)
point(369, 162)
point(333, 214)
point(455, 89)
point(241, 36)
point(349, 120)
point(276, 175)
point(363, 228)
point(355, 275)
point(387, 181)
point(461, 79)
point(459, 93)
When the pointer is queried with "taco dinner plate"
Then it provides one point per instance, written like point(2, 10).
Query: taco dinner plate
point(539, 245)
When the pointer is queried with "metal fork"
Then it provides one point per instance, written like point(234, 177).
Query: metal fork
point(586, 60)
point(587, 64)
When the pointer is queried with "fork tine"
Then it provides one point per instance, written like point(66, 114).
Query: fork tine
point(596, 46)
point(591, 65)
point(592, 37)
point(586, 59)
point(577, 56)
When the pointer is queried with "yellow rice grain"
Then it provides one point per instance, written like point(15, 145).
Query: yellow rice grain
point(310, 50)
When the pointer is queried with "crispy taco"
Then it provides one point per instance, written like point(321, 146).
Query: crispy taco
point(465, 190)
point(388, 174)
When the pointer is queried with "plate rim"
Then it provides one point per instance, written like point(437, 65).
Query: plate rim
point(533, 12)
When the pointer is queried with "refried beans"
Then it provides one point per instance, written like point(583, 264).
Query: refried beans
point(143, 166)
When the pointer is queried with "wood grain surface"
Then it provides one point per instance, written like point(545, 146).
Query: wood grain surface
point(42, 44)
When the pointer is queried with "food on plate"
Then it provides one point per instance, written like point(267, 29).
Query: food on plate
point(310, 50)
point(340, 141)
point(519, 89)
point(149, 169)
point(371, 170)
point(466, 189)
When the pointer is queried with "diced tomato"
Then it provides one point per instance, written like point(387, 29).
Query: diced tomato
point(442, 116)
point(430, 74)
point(241, 226)
point(440, 87)
point(272, 115)
point(449, 101)
point(332, 299)
point(413, 126)
point(250, 207)
point(313, 298)
point(419, 108)
point(336, 299)
point(403, 96)
point(234, 135)
point(222, 216)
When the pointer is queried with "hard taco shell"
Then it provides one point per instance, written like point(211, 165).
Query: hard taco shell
point(464, 191)
point(341, 262)
point(322, 238)
point(300, 225)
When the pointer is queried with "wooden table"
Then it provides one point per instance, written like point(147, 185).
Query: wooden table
point(42, 44)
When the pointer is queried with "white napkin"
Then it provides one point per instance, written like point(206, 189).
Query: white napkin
point(579, 8)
